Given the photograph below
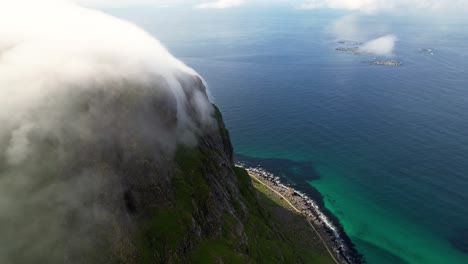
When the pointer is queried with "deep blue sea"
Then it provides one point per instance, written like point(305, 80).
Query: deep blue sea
point(387, 147)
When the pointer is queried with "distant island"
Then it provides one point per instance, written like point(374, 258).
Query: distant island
point(354, 48)
point(386, 62)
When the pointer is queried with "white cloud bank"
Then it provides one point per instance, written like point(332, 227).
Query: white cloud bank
point(382, 46)
point(221, 4)
point(198, 4)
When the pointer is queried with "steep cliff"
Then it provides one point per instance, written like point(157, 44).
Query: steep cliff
point(111, 152)
point(104, 187)
point(211, 213)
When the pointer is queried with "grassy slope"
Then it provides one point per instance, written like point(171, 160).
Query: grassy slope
point(295, 228)
point(274, 234)
point(292, 236)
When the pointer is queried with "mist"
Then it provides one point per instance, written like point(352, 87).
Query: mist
point(220, 4)
point(382, 46)
point(346, 27)
point(84, 96)
point(356, 28)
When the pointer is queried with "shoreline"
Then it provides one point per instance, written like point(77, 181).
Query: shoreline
point(331, 233)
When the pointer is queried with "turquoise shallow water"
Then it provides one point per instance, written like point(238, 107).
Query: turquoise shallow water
point(386, 146)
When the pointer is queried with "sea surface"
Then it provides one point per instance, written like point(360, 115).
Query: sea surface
point(387, 147)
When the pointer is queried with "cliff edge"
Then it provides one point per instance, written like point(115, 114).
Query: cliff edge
point(211, 213)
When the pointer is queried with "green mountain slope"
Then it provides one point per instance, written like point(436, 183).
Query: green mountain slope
point(214, 214)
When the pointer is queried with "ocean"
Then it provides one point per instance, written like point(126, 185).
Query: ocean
point(387, 147)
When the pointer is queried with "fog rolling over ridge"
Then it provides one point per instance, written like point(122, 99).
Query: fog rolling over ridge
point(80, 92)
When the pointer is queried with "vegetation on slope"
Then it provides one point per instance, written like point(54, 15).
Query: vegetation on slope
point(271, 236)
point(253, 226)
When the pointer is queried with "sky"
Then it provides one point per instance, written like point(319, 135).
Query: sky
point(364, 6)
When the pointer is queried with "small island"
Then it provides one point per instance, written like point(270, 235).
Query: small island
point(426, 51)
point(349, 42)
point(386, 62)
point(352, 46)
point(354, 50)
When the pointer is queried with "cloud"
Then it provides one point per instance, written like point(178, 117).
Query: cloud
point(214, 4)
point(372, 6)
point(220, 4)
point(347, 28)
point(382, 46)
point(84, 97)
point(127, 3)
point(355, 28)
point(364, 6)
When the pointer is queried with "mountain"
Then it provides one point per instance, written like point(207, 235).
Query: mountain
point(112, 175)
point(111, 152)
point(211, 213)
point(199, 208)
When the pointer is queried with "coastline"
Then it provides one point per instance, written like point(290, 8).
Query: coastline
point(326, 227)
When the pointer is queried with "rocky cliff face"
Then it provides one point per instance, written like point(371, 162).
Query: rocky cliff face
point(201, 202)
point(188, 206)
point(110, 151)
point(114, 183)
point(86, 168)
point(209, 212)
point(185, 207)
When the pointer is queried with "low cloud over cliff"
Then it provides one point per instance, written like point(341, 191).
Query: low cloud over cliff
point(80, 90)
